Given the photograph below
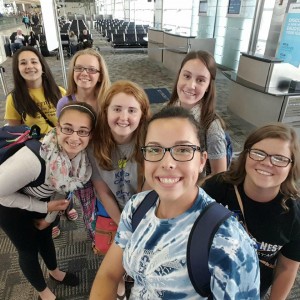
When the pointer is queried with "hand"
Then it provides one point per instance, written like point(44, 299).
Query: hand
point(57, 205)
point(41, 224)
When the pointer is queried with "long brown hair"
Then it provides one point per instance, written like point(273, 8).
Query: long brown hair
point(103, 140)
point(21, 97)
point(208, 102)
point(290, 187)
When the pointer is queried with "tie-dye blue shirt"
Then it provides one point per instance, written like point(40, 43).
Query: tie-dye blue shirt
point(155, 255)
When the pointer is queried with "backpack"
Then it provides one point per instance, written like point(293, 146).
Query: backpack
point(199, 242)
point(229, 149)
point(13, 138)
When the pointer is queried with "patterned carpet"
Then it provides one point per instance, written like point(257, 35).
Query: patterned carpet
point(74, 251)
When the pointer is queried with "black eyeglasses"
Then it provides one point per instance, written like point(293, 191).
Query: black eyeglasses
point(178, 152)
point(276, 159)
point(88, 70)
point(70, 131)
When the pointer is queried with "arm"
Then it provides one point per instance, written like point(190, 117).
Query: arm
point(13, 122)
point(16, 172)
point(218, 165)
point(284, 277)
point(109, 275)
point(12, 117)
point(107, 199)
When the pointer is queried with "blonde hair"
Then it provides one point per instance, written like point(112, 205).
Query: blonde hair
point(104, 81)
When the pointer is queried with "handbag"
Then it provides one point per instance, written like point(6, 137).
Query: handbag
point(105, 232)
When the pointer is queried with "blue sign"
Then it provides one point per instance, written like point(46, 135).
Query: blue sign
point(234, 7)
point(289, 46)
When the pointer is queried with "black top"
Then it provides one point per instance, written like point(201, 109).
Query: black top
point(273, 229)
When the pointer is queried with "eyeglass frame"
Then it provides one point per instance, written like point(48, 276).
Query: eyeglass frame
point(62, 128)
point(271, 156)
point(85, 69)
point(170, 149)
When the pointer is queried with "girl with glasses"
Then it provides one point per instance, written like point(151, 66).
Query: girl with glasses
point(26, 212)
point(155, 254)
point(262, 188)
point(195, 91)
point(88, 79)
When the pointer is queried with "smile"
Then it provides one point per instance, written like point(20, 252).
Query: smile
point(189, 93)
point(122, 125)
point(168, 180)
point(263, 172)
point(74, 145)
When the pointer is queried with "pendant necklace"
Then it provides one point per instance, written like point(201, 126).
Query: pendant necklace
point(124, 155)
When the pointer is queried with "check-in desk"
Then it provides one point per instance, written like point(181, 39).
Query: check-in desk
point(260, 94)
point(170, 48)
point(175, 49)
point(155, 44)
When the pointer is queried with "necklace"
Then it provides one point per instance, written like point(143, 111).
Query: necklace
point(124, 153)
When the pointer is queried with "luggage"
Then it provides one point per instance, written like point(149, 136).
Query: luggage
point(7, 49)
point(44, 50)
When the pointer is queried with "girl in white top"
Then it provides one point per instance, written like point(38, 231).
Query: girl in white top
point(23, 209)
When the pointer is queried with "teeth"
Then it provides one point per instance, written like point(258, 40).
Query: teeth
point(168, 180)
point(122, 125)
point(188, 93)
point(263, 172)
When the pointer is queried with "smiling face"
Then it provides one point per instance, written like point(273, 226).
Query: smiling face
point(123, 116)
point(193, 82)
point(75, 120)
point(30, 69)
point(173, 180)
point(262, 175)
point(84, 80)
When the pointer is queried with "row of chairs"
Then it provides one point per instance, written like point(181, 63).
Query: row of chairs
point(129, 40)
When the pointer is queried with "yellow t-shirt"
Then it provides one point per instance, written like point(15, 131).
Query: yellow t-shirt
point(39, 98)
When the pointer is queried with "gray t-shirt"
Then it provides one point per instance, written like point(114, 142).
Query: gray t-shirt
point(123, 179)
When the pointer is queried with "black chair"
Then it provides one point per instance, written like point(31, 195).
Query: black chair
point(117, 40)
point(65, 43)
point(140, 39)
point(130, 40)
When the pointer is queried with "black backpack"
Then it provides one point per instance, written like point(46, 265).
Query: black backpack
point(13, 138)
point(199, 242)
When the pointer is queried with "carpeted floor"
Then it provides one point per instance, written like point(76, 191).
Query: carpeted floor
point(73, 248)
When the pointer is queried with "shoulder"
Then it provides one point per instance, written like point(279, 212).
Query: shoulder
point(61, 102)
point(218, 189)
point(62, 90)
point(216, 127)
point(9, 98)
point(233, 243)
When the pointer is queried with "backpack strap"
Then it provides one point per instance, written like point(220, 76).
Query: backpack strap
point(199, 243)
point(142, 209)
point(35, 145)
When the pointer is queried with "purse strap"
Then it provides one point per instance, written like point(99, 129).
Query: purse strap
point(45, 117)
point(238, 196)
